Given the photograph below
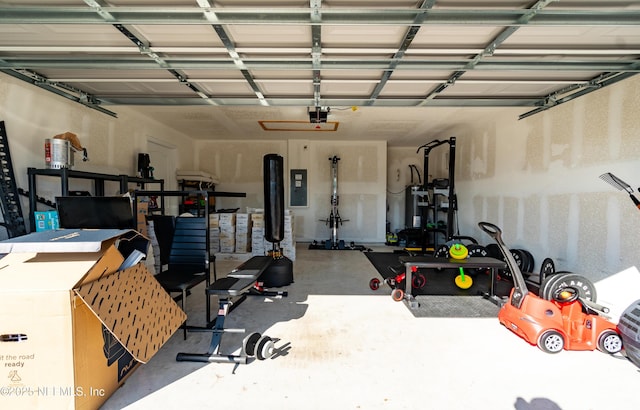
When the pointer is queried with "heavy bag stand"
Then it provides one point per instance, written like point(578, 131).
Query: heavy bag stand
point(335, 220)
point(250, 278)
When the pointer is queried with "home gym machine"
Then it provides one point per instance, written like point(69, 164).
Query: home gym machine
point(427, 201)
point(334, 220)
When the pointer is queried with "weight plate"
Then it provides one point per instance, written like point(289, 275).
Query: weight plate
point(547, 285)
point(249, 343)
point(494, 251)
point(419, 280)
point(476, 251)
point(518, 256)
point(586, 288)
point(547, 268)
point(442, 252)
point(264, 348)
point(531, 262)
point(463, 283)
point(458, 251)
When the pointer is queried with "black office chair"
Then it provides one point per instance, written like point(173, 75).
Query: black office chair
point(188, 260)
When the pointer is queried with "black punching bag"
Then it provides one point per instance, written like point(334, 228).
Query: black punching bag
point(280, 271)
point(273, 198)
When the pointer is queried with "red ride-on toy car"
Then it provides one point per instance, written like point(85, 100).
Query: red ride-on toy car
point(566, 322)
point(418, 280)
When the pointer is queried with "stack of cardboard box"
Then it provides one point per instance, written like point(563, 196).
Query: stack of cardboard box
point(243, 233)
point(260, 246)
point(214, 233)
point(288, 244)
point(227, 232)
point(258, 243)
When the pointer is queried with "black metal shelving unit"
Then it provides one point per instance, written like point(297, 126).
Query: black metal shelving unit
point(65, 174)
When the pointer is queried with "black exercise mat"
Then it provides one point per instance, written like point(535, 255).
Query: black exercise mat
point(440, 296)
point(439, 282)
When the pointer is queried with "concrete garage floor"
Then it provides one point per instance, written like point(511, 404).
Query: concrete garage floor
point(342, 346)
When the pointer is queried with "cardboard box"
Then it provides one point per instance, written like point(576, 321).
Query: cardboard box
point(73, 324)
point(141, 218)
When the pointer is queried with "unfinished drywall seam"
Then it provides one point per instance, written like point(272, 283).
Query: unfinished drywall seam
point(578, 132)
point(613, 246)
point(573, 229)
point(614, 131)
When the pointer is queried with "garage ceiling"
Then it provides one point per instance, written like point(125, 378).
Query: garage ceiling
point(403, 71)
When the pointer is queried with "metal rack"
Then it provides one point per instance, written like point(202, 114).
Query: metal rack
point(9, 199)
point(64, 174)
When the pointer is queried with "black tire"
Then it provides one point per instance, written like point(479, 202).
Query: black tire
point(374, 284)
point(551, 341)
point(610, 342)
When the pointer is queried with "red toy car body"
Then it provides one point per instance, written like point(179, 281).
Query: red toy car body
point(565, 322)
point(554, 326)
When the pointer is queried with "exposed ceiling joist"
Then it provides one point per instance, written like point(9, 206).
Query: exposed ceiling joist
point(342, 54)
point(301, 16)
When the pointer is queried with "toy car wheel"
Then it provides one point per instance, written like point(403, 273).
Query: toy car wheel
point(609, 342)
point(397, 295)
point(374, 284)
point(551, 341)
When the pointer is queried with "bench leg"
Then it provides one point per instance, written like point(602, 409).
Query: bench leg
point(213, 354)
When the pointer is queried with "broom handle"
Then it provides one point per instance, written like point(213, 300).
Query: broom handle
point(635, 200)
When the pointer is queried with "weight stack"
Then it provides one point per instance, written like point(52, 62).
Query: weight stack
point(629, 329)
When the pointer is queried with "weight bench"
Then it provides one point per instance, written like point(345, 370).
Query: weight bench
point(231, 291)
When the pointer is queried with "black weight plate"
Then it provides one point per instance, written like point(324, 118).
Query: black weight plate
point(519, 257)
point(494, 251)
point(548, 284)
point(586, 288)
point(477, 251)
point(547, 268)
point(442, 252)
point(249, 343)
point(531, 261)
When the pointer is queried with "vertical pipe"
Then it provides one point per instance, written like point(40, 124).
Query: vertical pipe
point(453, 201)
